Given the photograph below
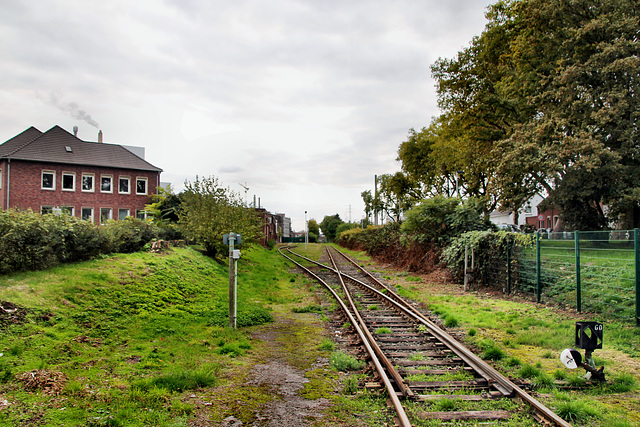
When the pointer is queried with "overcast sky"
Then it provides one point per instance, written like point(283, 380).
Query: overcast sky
point(305, 101)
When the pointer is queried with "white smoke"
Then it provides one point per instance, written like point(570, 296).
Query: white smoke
point(73, 109)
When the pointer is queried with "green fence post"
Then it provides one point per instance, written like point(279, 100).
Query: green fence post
point(636, 247)
point(576, 237)
point(538, 268)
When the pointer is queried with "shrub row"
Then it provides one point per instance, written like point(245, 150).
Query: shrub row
point(30, 241)
point(435, 231)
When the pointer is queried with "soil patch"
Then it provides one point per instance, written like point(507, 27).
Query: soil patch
point(283, 373)
point(290, 409)
point(11, 314)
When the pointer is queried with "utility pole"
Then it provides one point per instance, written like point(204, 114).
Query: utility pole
point(306, 231)
point(375, 199)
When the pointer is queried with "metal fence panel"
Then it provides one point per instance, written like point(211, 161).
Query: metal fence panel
point(592, 271)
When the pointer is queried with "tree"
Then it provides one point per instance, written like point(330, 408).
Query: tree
point(313, 227)
point(329, 226)
point(581, 145)
point(164, 206)
point(396, 194)
point(209, 211)
point(545, 100)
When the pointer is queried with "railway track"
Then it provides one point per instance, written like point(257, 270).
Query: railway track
point(421, 366)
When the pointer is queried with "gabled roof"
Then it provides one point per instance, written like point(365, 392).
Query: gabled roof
point(59, 146)
point(19, 141)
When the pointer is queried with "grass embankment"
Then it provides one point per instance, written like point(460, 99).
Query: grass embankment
point(122, 340)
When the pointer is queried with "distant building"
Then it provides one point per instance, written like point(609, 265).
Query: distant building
point(54, 171)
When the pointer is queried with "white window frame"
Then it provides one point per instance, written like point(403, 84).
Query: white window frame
point(42, 187)
point(110, 216)
point(82, 213)
point(111, 185)
point(43, 207)
point(146, 185)
point(93, 182)
point(121, 211)
point(71, 174)
point(128, 180)
point(141, 214)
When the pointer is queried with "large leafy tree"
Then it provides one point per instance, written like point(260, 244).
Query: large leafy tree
point(544, 101)
point(582, 144)
point(329, 226)
point(209, 210)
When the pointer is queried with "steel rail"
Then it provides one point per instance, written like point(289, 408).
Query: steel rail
point(400, 383)
point(461, 351)
point(395, 400)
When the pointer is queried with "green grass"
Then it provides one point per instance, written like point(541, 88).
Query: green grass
point(130, 334)
point(344, 362)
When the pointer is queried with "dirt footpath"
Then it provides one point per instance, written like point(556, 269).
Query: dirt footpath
point(281, 382)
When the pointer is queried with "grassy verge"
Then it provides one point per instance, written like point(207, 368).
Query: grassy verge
point(120, 340)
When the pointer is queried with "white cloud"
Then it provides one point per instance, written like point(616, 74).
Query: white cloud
point(303, 100)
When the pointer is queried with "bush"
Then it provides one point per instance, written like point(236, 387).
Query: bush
point(128, 235)
point(30, 241)
point(440, 219)
point(486, 245)
point(344, 362)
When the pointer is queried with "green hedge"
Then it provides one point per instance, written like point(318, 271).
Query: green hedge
point(30, 241)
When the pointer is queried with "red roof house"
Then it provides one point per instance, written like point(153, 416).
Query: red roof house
point(55, 171)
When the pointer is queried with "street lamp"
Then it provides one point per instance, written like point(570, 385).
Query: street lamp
point(306, 231)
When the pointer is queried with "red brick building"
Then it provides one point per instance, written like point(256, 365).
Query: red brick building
point(56, 171)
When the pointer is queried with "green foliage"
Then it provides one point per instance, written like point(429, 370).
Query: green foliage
point(529, 371)
point(311, 308)
point(440, 219)
point(487, 247)
point(396, 194)
point(577, 410)
point(350, 385)
point(181, 381)
point(128, 235)
point(209, 210)
point(327, 345)
point(450, 321)
point(344, 362)
point(329, 226)
point(313, 227)
point(30, 241)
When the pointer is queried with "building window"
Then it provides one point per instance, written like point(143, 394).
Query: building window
point(106, 182)
point(87, 214)
point(123, 213)
point(48, 180)
point(105, 215)
point(527, 208)
point(69, 210)
point(141, 186)
point(87, 182)
point(124, 185)
point(46, 210)
point(140, 214)
point(68, 181)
